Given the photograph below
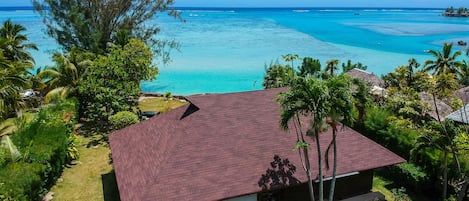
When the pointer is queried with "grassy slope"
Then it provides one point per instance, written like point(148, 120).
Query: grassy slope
point(84, 181)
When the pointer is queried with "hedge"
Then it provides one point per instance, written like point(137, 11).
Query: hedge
point(43, 144)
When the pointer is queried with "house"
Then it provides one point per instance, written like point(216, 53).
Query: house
point(461, 115)
point(443, 108)
point(220, 146)
point(366, 76)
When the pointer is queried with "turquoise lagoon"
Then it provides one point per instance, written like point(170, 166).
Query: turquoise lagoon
point(226, 49)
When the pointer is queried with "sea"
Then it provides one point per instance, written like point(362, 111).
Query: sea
point(227, 49)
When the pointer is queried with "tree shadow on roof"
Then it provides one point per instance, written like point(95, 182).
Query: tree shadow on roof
point(278, 176)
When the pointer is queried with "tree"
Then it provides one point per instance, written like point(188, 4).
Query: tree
point(62, 79)
point(307, 98)
point(340, 110)
point(332, 66)
point(92, 24)
point(349, 66)
point(445, 61)
point(277, 75)
point(290, 58)
point(13, 43)
point(127, 65)
point(310, 67)
point(441, 136)
point(11, 84)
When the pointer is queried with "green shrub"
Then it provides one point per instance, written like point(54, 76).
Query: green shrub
point(410, 176)
point(123, 119)
point(21, 181)
point(43, 144)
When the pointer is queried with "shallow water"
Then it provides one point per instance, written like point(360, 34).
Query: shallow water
point(226, 50)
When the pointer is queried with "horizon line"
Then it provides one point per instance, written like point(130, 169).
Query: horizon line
point(266, 7)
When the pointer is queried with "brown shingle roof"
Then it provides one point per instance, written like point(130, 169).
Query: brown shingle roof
point(463, 94)
point(443, 108)
point(218, 147)
point(365, 76)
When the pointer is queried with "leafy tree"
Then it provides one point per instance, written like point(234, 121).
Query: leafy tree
point(445, 61)
point(310, 67)
point(309, 98)
point(277, 75)
point(92, 24)
point(13, 43)
point(100, 96)
point(349, 66)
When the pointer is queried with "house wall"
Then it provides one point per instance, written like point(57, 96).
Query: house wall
point(346, 187)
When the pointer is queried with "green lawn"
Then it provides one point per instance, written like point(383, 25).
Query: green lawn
point(159, 104)
point(92, 178)
point(84, 181)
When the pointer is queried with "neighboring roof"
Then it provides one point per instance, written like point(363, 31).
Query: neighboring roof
point(460, 115)
point(443, 108)
point(365, 76)
point(219, 146)
point(463, 94)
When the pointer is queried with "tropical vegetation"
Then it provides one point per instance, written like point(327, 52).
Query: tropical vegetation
point(407, 119)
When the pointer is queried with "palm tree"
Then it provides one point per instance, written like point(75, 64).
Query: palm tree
point(332, 66)
point(61, 79)
point(11, 84)
point(13, 42)
point(309, 67)
point(308, 97)
point(441, 136)
point(290, 58)
point(340, 110)
point(445, 61)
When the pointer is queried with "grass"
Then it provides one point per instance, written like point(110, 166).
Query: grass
point(380, 185)
point(159, 104)
point(92, 178)
point(84, 181)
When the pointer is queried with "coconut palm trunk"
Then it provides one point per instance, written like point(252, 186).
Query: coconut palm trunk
point(321, 182)
point(334, 168)
point(308, 174)
point(445, 174)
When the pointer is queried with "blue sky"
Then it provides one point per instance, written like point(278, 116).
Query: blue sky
point(299, 3)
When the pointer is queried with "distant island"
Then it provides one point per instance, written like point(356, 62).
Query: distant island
point(460, 12)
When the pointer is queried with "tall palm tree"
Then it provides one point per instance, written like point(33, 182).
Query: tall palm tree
point(308, 98)
point(340, 110)
point(332, 66)
point(290, 58)
point(61, 79)
point(14, 43)
point(441, 136)
point(445, 61)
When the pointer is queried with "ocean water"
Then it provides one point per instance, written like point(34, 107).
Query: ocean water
point(226, 49)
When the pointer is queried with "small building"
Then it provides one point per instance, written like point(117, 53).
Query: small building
point(230, 147)
point(460, 116)
point(443, 108)
point(366, 76)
